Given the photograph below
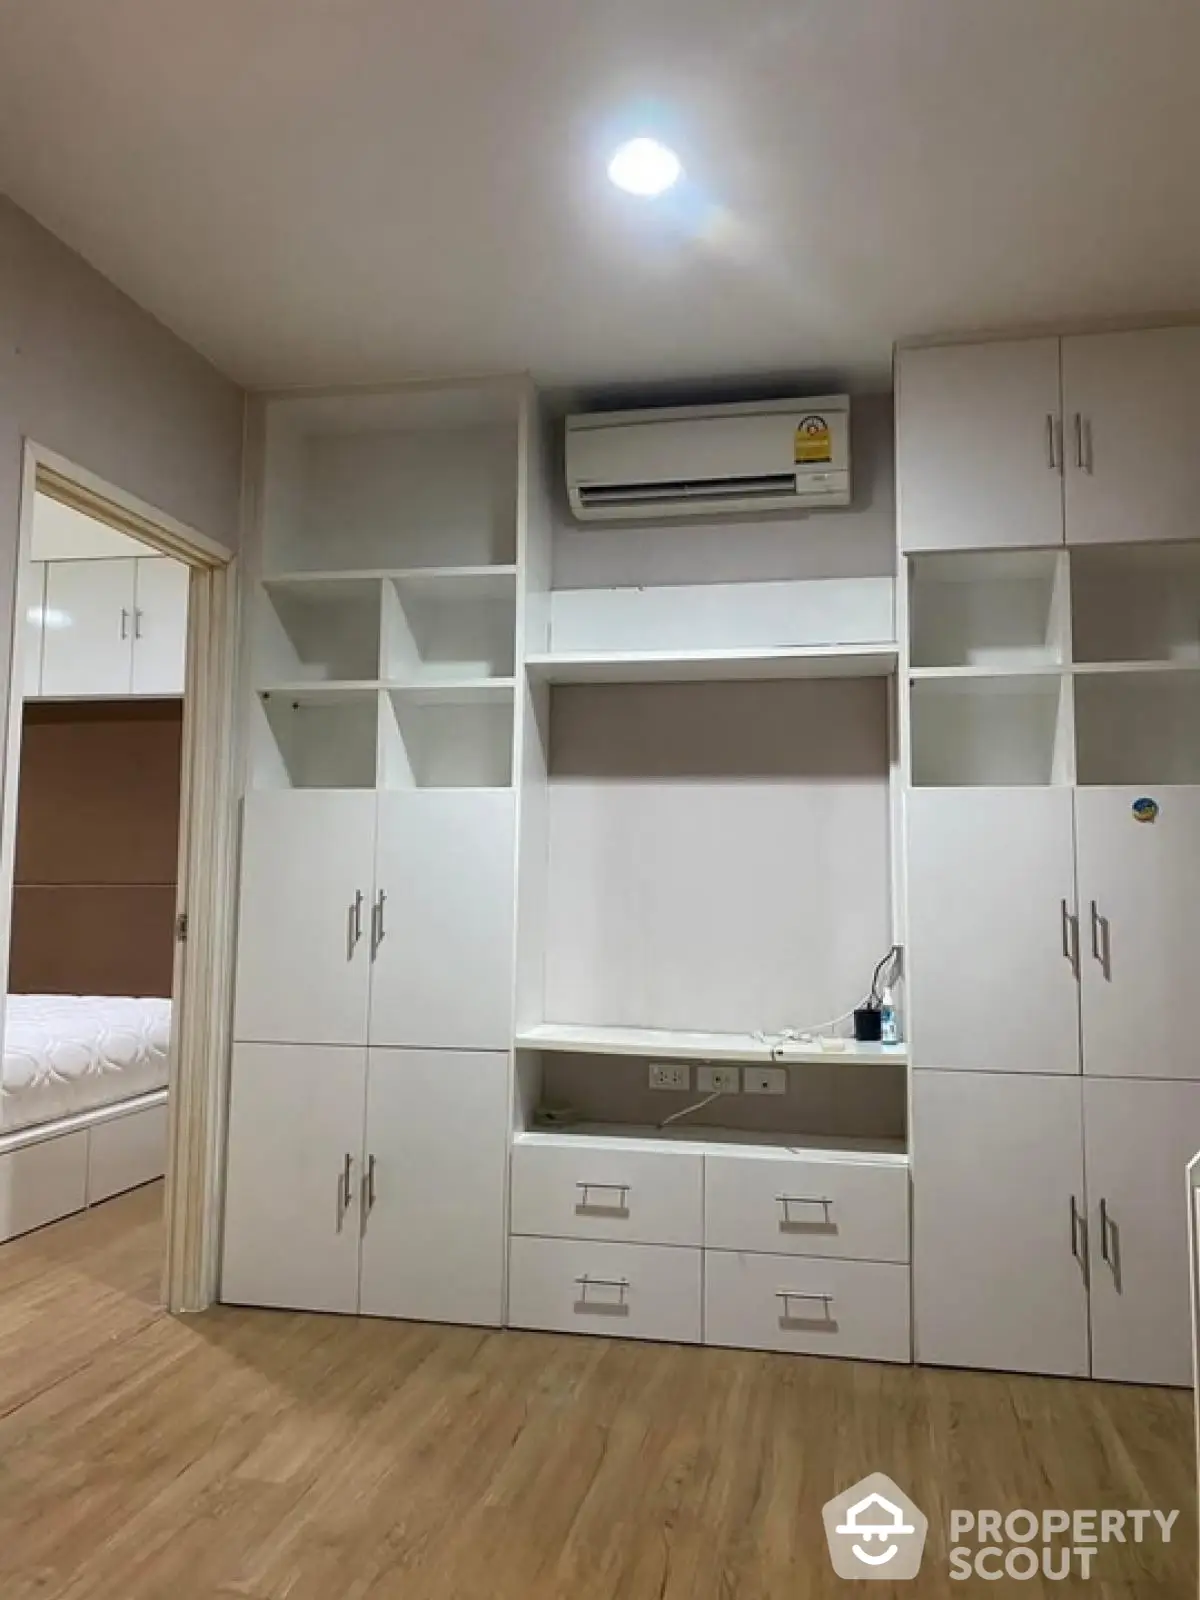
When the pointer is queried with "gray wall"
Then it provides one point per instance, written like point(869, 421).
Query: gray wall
point(86, 373)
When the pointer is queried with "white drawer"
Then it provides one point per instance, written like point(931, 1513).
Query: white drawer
point(835, 1308)
point(625, 1291)
point(42, 1182)
point(582, 1188)
point(792, 1205)
point(126, 1152)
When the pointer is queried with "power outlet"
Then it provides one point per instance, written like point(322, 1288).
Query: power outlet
point(675, 1075)
point(765, 1080)
point(719, 1080)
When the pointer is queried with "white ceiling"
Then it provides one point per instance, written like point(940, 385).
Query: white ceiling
point(344, 190)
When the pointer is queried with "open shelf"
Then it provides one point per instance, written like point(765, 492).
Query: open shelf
point(317, 631)
point(444, 628)
point(671, 666)
point(456, 736)
point(376, 481)
point(991, 729)
point(716, 1140)
point(1138, 727)
point(988, 609)
point(675, 1045)
point(315, 737)
point(1136, 603)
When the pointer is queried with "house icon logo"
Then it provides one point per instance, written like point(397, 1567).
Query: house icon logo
point(875, 1531)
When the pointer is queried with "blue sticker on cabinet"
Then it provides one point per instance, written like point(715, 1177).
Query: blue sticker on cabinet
point(1144, 809)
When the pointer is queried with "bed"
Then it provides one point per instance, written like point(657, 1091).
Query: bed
point(66, 1053)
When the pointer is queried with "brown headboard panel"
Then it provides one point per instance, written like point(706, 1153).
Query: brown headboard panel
point(97, 844)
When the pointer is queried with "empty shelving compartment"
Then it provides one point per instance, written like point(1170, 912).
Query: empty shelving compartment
point(448, 738)
point(368, 482)
point(1136, 603)
point(449, 625)
point(1138, 727)
point(318, 630)
point(317, 739)
point(991, 730)
point(997, 609)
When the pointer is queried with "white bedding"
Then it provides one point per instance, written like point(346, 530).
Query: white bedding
point(67, 1052)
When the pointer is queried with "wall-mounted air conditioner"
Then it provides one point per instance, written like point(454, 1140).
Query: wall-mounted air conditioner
point(693, 461)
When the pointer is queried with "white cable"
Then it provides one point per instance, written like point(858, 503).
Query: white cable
point(687, 1110)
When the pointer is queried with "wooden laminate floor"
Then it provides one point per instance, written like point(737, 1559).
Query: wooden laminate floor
point(271, 1455)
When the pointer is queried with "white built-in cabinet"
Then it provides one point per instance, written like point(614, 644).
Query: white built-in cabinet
point(1052, 846)
point(105, 629)
point(1050, 1224)
point(1089, 439)
point(992, 929)
point(377, 919)
point(999, 1222)
point(370, 1108)
point(376, 1191)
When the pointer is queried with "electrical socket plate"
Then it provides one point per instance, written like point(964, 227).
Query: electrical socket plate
point(765, 1080)
point(719, 1080)
point(670, 1075)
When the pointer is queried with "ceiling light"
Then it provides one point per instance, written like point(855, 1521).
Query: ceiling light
point(645, 167)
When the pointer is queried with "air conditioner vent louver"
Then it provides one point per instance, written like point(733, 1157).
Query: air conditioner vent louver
point(697, 461)
point(616, 494)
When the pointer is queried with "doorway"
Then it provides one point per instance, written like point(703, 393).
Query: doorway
point(116, 848)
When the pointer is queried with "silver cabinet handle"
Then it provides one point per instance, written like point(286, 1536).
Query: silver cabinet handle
point(354, 924)
point(1105, 1255)
point(124, 622)
point(378, 931)
point(137, 624)
point(344, 1195)
point(368, 1191)
point(1079, 1236)
point(1079, 440)
point(621, 1285)
point(1051, 462)
point(786, 1296)
point(1070, 938)
point(621, 1190)
point(1101, 945)
point(787, 1201)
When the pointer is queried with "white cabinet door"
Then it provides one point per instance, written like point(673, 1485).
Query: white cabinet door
point(292, 1181)
point(443, 938)
point(978, 462)
point(1139, 896)
point(32, 603)
point(1139, 1138)
point(999, 1222)
point(88, 644)
point(303, 969)
point(160, 626)
point(992, 935)
point(436, 1155)
point(1131, 404)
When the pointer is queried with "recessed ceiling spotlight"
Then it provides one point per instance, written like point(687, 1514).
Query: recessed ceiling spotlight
point(645, 167)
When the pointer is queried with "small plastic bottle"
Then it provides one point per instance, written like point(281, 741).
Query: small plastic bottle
point(889, 1023)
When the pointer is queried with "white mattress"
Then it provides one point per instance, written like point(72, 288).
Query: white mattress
point(65, 1053)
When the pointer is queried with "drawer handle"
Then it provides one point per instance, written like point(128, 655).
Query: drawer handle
point(825, 1301)
point(620, 1209)
point(603, 1307)
point(787, 1201)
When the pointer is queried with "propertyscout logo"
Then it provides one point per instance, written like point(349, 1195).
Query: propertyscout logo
point(875, 1531)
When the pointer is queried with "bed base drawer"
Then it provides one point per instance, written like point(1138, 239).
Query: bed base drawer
point(126, 1152)
point(42, 1182)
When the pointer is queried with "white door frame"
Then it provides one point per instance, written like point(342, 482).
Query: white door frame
point(203, 972)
